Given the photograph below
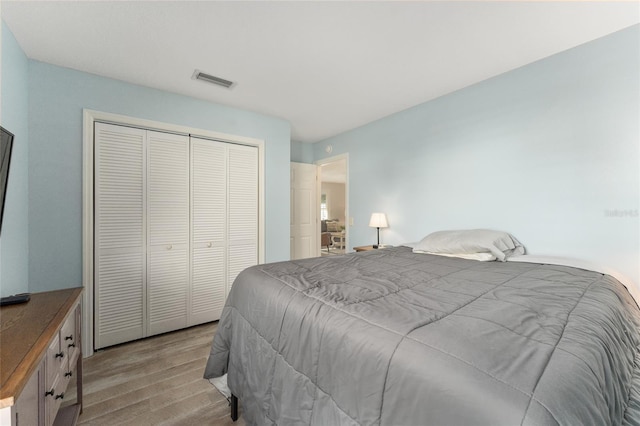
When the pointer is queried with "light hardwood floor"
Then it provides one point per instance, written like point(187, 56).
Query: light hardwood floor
point(154, 381)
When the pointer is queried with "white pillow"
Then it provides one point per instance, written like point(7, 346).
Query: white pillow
point(499, 244)
point(482, 257)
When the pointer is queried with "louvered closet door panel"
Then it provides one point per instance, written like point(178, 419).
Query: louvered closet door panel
point(208, 225)
point(243, 210)
point(168, 188)
point(120, 248)
point(168, 231)
point(167, 289)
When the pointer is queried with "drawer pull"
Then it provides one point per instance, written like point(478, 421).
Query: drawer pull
point(49, 393)
point(72, 345)
point(60, 396)
point(69, 337)
point(60, 355)
point(69, 374)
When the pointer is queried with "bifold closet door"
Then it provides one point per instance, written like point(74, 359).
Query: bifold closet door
point(141, 249)
point(224, 235)
point(208, 229)
point(176, 220)
point(168, 231)
point(120, 234)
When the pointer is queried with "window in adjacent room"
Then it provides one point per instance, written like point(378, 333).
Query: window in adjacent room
point(324, 211)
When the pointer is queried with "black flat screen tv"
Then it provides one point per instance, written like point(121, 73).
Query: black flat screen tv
point(6, 142)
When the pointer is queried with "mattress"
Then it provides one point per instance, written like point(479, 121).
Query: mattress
point(391, 337)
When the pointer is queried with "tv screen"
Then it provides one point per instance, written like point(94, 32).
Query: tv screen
point(5, 159)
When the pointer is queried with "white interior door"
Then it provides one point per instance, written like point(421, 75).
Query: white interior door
point(304, 213)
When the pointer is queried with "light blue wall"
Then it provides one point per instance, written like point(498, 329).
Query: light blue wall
point(546, 152)
point(14, 253)
point(301, 152)
point(56, 99)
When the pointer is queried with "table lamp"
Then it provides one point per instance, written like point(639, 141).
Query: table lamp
point(378, 220)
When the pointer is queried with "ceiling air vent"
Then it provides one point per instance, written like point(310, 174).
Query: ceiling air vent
point(199, 75)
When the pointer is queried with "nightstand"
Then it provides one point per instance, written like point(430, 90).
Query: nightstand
point(363, 248)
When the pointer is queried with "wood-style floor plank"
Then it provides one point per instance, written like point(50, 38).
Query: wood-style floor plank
point(154, 381)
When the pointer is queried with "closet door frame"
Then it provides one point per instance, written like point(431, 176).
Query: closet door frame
point(89, 119)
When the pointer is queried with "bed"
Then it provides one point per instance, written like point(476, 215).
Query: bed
point(395, 337)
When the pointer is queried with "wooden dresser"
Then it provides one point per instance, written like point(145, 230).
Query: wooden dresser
point(40, 355)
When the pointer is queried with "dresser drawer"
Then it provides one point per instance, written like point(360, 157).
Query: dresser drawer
point(54, 360)
point(62, 353)
point(69, 339)
point(54, 397)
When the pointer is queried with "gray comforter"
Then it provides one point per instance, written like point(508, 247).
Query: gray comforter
point(396, 338)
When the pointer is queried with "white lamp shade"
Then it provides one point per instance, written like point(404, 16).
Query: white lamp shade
point(378, 220)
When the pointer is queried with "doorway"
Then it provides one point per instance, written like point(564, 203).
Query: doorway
point(333, 205)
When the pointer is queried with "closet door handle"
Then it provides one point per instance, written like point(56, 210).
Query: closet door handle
point(209, 244)
point(169, 247)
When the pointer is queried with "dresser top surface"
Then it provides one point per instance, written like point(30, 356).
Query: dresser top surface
point(25, 332)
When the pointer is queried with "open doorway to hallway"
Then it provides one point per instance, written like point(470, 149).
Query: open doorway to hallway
point(333, 206)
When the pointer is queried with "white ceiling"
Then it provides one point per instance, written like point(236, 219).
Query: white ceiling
point(326, 67)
